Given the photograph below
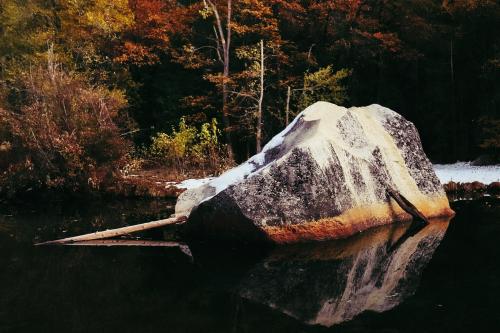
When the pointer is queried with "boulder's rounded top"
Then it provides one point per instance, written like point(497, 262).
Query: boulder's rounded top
point(323, 110)
point(330, 112)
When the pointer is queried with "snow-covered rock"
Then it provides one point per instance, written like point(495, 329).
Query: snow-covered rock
point(324, 176)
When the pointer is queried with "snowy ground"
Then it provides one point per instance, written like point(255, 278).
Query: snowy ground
point(464, 172)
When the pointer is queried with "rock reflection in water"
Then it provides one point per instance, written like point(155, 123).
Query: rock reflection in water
point(332, 282)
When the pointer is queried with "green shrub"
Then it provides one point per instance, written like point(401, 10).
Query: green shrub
point(188, 148)
point(176, 146)
point(325, 85)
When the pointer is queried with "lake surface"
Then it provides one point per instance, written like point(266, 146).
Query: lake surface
point(399, 278)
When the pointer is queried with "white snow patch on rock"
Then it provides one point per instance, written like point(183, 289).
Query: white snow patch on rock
point(464, 172)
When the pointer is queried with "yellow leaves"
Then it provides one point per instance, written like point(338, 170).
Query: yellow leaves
point(83, 31)
point(250, 52)
point(24, 28)
point(206, 12)
point(109, 16)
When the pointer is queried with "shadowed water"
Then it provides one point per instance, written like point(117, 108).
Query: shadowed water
point(330, 283)
point(399, 278)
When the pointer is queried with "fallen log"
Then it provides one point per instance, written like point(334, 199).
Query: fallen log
point(406, 205)
point(117, 232)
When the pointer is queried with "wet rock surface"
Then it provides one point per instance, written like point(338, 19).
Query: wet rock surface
point(325, 176)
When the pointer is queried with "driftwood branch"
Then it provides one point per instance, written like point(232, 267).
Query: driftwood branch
point(406, 205)
point(117, 232)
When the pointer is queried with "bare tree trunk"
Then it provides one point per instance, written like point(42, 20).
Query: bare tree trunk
point(225, 110)
point(287, 110)
point(258, 135)
point(225, 120)
point(224, 40)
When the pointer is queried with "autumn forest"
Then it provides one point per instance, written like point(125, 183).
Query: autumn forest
point(91, 89)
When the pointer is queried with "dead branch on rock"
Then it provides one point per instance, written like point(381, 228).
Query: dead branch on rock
point(117, 232)
point(406, 205)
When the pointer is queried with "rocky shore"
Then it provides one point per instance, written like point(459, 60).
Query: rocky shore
point(472, 187)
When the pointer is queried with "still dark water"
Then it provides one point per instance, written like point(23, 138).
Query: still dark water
point(443, 278)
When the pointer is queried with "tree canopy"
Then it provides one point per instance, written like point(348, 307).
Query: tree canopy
point(434, 61)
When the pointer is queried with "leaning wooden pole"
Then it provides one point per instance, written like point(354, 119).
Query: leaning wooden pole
point(117, 232)
point(406, 205)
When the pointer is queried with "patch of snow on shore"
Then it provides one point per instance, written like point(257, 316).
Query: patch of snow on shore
point(464, 172)
point(193, 183)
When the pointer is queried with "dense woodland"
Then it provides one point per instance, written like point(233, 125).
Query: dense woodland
point(91, 89)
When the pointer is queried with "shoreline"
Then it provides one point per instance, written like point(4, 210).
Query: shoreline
point(460, 180)
point(138, 188)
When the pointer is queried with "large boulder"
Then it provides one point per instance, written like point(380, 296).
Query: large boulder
point(324, 176)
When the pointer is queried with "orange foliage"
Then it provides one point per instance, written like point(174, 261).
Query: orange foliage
point(149, 36)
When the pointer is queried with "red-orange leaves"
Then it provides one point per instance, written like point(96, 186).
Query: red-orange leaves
point(149, 36)
point(389, 41)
